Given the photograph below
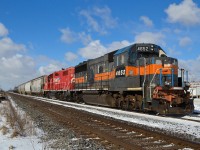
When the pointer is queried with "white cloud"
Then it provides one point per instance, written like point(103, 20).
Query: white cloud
point(3, 30)
point(150, 37)
point(105, 15)
point(68, 36)
point(49, 69)
point(185, 41)
point(69, 56)
point(15, 67)
point(15, 70)
point(92, 50)
point(99, 19)
point(146, 21)
point(194, 71)
point(8, 47)
point(84, 38)
point(177, 31)
point(92, 22)
point(95, 49)
point(117, 45)
point(186, 13)
point(17, 63)
point(47, 65)
point(173, 53)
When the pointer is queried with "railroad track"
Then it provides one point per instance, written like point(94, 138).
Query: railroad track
point(194, 120)
point(195, 117)
point(111, 133)
point(188, 118)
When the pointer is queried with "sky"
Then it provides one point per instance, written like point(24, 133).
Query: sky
point(38, 37)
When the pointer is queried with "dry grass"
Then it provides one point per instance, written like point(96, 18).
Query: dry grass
point(15, 134)
point(4, 130)
point(21, 124)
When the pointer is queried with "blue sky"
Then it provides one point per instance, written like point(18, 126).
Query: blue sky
point(40, 36)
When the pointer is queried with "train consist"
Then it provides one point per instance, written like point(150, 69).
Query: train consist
point(138, 77)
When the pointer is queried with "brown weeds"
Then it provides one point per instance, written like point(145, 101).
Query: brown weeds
point(20, 123)
point(4, 130)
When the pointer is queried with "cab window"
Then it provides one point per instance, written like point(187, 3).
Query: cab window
point(122, 59)
point(133, 57)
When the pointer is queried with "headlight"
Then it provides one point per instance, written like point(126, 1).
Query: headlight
point(167, 83)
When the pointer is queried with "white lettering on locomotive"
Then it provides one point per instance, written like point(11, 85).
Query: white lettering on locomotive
point(121, 72)
point(143, 48)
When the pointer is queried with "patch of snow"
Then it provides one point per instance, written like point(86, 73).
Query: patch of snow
point(148, 138)
point(196, 115)
point(159, 141)
point(197, 105)
point(75, 139)
point(169, 145)
point(187, 149)
point(132, 132)
point(18, 143)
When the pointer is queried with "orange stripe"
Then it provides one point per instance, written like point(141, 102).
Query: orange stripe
point(150, 69)
point(79, 80)
point(133, 71)
point(105, 76)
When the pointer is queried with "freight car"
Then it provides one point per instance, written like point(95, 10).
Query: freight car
point(2, 95)
point(137, 77)
point(37, 85)
point(33, 87)
point(21, 89)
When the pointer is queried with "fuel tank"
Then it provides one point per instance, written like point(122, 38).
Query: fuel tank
point(98, 98)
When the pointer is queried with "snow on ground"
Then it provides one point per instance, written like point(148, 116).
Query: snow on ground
point(172, 125)
point(196, 115)
point(28, 142)
point(197, 105)
point(20, 143)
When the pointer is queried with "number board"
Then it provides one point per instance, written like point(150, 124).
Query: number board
point(120, 72)
point(143, 48)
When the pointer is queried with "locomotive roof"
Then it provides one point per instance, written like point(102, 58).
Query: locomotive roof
point(127, 48)
point(123, 49)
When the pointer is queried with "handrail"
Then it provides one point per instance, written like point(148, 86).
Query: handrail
point(144, 76)
point(150, 84)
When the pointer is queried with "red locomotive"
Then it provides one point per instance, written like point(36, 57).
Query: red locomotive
point(59, 83)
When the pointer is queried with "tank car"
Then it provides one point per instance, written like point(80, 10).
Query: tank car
point(32, 87)
point(21, 88)
point(37, 85)
point(136, 77)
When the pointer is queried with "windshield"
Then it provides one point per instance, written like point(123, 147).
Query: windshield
point(134, 56)
point(147, 55)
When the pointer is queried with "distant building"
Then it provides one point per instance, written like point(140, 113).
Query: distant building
point(195, 89)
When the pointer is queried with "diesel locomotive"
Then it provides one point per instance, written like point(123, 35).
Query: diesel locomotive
point(138, 77)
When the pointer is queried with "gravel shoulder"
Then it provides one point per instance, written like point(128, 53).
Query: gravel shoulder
point(56, 135)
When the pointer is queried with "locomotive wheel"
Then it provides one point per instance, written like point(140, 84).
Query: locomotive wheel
point(62, 97)
point(163, 108)
point(130, 102)
point(138, 103)
point(124, 105)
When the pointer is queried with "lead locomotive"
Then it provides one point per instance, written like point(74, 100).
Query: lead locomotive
point(137, 77)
